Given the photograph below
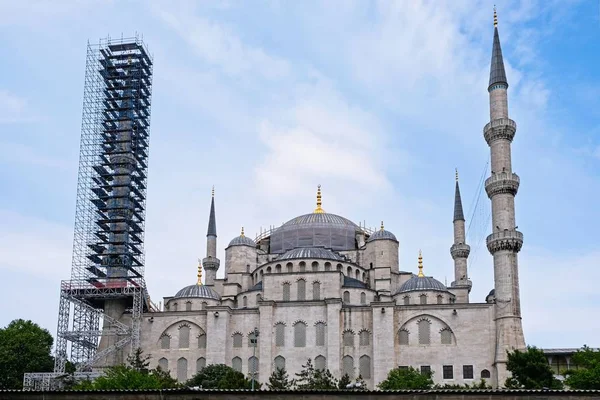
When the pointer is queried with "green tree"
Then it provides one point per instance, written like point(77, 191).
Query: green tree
point(221, 376)
point(482, 384)
point(407, 378)
point(344, 381)
point(279, 380)
point(530, 370)
point(587, 374)
point(310, 378)
point(24, 347)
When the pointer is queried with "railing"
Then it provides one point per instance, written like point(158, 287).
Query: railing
point(500, 122)
point(502, 176)
point(506, 234)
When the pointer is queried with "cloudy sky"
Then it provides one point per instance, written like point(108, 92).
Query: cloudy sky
point(378, 102)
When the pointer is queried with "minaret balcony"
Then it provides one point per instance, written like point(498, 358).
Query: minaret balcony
point(507, 239)
point(501, 128)
point(211, 263)
point(502, 182)
point(460, 250)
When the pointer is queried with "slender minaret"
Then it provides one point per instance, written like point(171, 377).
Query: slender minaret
point(460, 250)
point(211, 262)
point(505, 241)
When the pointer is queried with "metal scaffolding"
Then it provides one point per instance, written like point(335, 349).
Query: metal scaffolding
point(108, 247)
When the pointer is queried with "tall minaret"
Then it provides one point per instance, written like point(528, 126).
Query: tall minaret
point(211, 262)
point(460, 250)
point(505, 241)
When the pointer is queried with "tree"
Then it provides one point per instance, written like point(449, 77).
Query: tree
point(587, 374)
point(482, 384)
point(24, 347)
point(221, 376)
point(310, 378)
point(344, 381)
point(530, 370)
point(279, 380)
point(407, 378)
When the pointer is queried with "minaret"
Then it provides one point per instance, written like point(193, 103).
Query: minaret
point(211, 262)
point(460, 250)
point(505, 241)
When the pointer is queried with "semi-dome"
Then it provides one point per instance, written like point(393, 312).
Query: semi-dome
point(242, 240)
point(382, 234)
point(198, 291)
point(311, 252)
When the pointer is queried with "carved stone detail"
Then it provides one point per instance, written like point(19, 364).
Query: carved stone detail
point(501, 128)
point(502, 182)
point(505, 240)
point(460, 251)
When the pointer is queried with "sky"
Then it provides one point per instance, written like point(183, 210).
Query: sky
point(377, 101)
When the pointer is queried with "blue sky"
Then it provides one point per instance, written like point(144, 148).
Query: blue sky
point(376, 101)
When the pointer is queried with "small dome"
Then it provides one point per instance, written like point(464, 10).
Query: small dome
point(311, 252)
point(421, 284)
point(198, 291)
point(382, 234)
point(242, 241)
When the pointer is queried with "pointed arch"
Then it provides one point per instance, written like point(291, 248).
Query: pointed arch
point(364, 366)
point(163, 364)
point(184, 336)
point(320, 333)
point(364, 337)
point(236, 364)
point(165, 341)
point(320, 363)
point(301, 289)
point(348, 366)
point(279, 362)
point(200, 363)
point(237, 339)
point(300, 334)
point(424, 329)
point(403, 338)
point(182, 366)
point(446, 336)
point(348, 338)
point(280, 334)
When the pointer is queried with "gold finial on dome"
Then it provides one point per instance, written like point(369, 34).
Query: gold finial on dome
point(421, 275)
point(495, 17)
point(199, 273)
point(242, 234)
point(381, 225)
point(319, 210)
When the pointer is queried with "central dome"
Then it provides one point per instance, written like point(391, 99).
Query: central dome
point(315, 230)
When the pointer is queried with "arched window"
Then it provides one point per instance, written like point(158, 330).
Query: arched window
point(286, 291)
point(348, 366)
point(348, 338)
point(236, 364)
point(357, 276)
point(364, 367)
point(302, 266)
point(262, 273)
point(165, 342)
point(363, 298)
point(258, 298)
point(300, 334)
point(245, 301)
point(279, 362)
point(278, 268)
point(364, 277)
point(346, 297)
point(174, 306)
point(163, 364)
point(424, 331)
point(403, 337)
point(339, 267)
point(248, 268)
point(446, 336)
point(485, 374)
point(349, 272)
point(184, 336)
point(315, 266)
point(290, 267)
point(423, 299)
point(237, 340)
point(440, 299)
point(301, 284)
point(320, 363)
point(328, 266)
point(364, 338)
point(182, 369)
point(200, 363)
point(252, 340)
point(268, 270)
point(204, 304)
point(253, 367)
point(188, 306)
point(406, 300)
point(280, 334)
point(320, 334)
point(202, 340)
point(316, 290)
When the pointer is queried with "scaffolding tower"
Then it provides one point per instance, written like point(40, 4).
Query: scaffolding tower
point(101, 305)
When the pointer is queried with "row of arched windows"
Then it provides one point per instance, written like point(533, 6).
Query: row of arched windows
point(301, 290)
point(356, 273)
point(346, 297)
point(238, 340)
point(188, 306)
point(424, 300)
point(184, 339)
point(424, 334)
point(364, 366)
point(182, 366)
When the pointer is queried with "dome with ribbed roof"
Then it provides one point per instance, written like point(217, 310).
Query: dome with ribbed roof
point(242, 240)
point(311, 252)
point(198, 291)
point(382, 234)
point(422, 283)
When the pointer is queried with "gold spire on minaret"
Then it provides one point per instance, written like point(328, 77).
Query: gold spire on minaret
point(381, 225)
point(242, 234)
point(421, 275)
point(495, 17)
point(213, 191)
point(319, 210)
point(199, 272)
point(456, 173)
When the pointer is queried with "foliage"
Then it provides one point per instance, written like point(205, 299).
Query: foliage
point(407, 378)
point(24, 347)
point(482, 384)
point(221, 376)
point(587, 375)
point(344, 381)
point(279, 380)
point(530, 370)
point(136, 375)
point(311, 378)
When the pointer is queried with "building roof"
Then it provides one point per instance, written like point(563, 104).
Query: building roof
point(497, 72)
point(458, 208)
point(242, 240)
point(198, 291)
point(212, 221)
point(353, 283)
point(258, 286)
point(382, 234)
point(320, 219)
point(311, 252)
point(417, 283)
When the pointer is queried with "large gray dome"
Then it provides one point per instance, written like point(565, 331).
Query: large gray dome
point(315, 230)
point(198, 291)
point(311, 252)
point(423, 283)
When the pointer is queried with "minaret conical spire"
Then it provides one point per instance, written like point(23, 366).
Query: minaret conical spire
point(211, 262)
point(212, 220)
point(458, 208)
point(497, 72)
